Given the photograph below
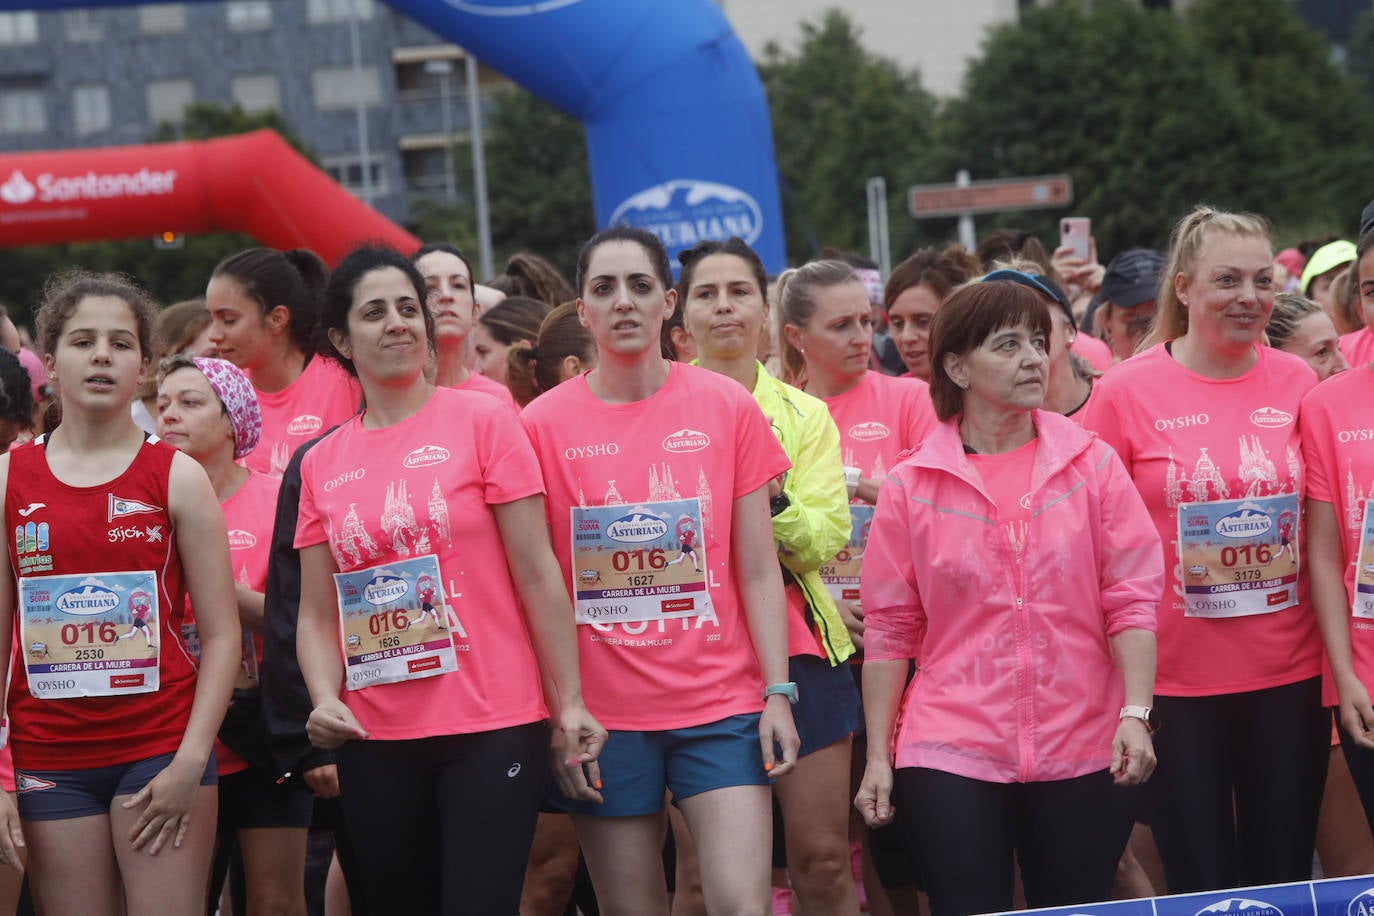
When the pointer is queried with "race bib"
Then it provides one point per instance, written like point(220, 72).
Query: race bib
point(1362, 604)
point(395, 623)
point(841, 575)
point(1239, 556)
point(90, 635)
point(641, 562)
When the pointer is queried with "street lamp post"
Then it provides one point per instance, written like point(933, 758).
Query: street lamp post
point(479, 165)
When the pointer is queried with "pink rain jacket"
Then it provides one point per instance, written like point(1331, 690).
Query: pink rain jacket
point(1015, 677)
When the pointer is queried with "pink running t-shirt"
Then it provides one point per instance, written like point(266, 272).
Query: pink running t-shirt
point(1358, 347)
point(1187, 438)
point(880, 418)
point(1338, 446)
point(476, 381)
point(700, 436)
point(426, 486)
point(324, 395)
point(249, 515)
point(1007, 479)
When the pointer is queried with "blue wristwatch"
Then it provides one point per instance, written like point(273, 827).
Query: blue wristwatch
point(788, 690)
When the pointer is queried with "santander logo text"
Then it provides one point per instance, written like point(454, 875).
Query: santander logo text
point(50, 188)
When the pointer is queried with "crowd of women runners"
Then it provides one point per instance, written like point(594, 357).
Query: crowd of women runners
point(1009, 580)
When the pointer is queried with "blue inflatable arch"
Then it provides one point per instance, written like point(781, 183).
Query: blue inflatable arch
point(677, 124)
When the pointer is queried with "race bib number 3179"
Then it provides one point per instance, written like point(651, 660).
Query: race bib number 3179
point(1239, 556)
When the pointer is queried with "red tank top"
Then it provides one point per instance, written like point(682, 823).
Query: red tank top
point(122, 525)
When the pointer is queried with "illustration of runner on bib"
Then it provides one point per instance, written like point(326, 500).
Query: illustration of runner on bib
point(1240, 555)
point(621, 555)
point(841, 575)
point(381, 642)
point(76, 619)
point(140, 606)
point(686, 536)
point(427, 589)
point(1286, 525)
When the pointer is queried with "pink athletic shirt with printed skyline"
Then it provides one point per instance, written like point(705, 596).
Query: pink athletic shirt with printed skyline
point(1338, 446)
point(880, 418)
point(322, 396)
point(1185, 437)
point(701, 435)
point(426, 486)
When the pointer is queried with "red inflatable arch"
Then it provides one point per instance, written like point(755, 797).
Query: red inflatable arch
point(254, 183)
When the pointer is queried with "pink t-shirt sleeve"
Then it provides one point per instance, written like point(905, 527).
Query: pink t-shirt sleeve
point(510, 470)
point(759, 456)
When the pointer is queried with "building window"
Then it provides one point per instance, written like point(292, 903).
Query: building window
point(335, 87)
point(91, 109)
point(425, 167)
point(337, 10)
point(256, 92)
point(83, 25)
point(167, 100)
point(348, 172)
point(18, 28)
point(162, 18)
point(22, 111)
point(244, 15)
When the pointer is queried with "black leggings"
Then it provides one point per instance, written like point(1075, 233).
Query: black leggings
point(1235, 798)
point(444, 825)
point(1067, 835)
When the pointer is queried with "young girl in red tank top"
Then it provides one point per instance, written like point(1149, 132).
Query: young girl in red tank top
point(111, 736)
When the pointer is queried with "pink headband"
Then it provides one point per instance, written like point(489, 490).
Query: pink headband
point(240, 401)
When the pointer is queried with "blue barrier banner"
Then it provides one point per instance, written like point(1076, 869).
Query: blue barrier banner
point(678, 134)
point(1332, 897)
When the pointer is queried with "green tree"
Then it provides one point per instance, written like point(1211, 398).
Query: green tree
point(1360, 54)
point(1235, 104)
point(1285, 70)
point(840, 116)
point(539, 186)
point(1124, 99)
